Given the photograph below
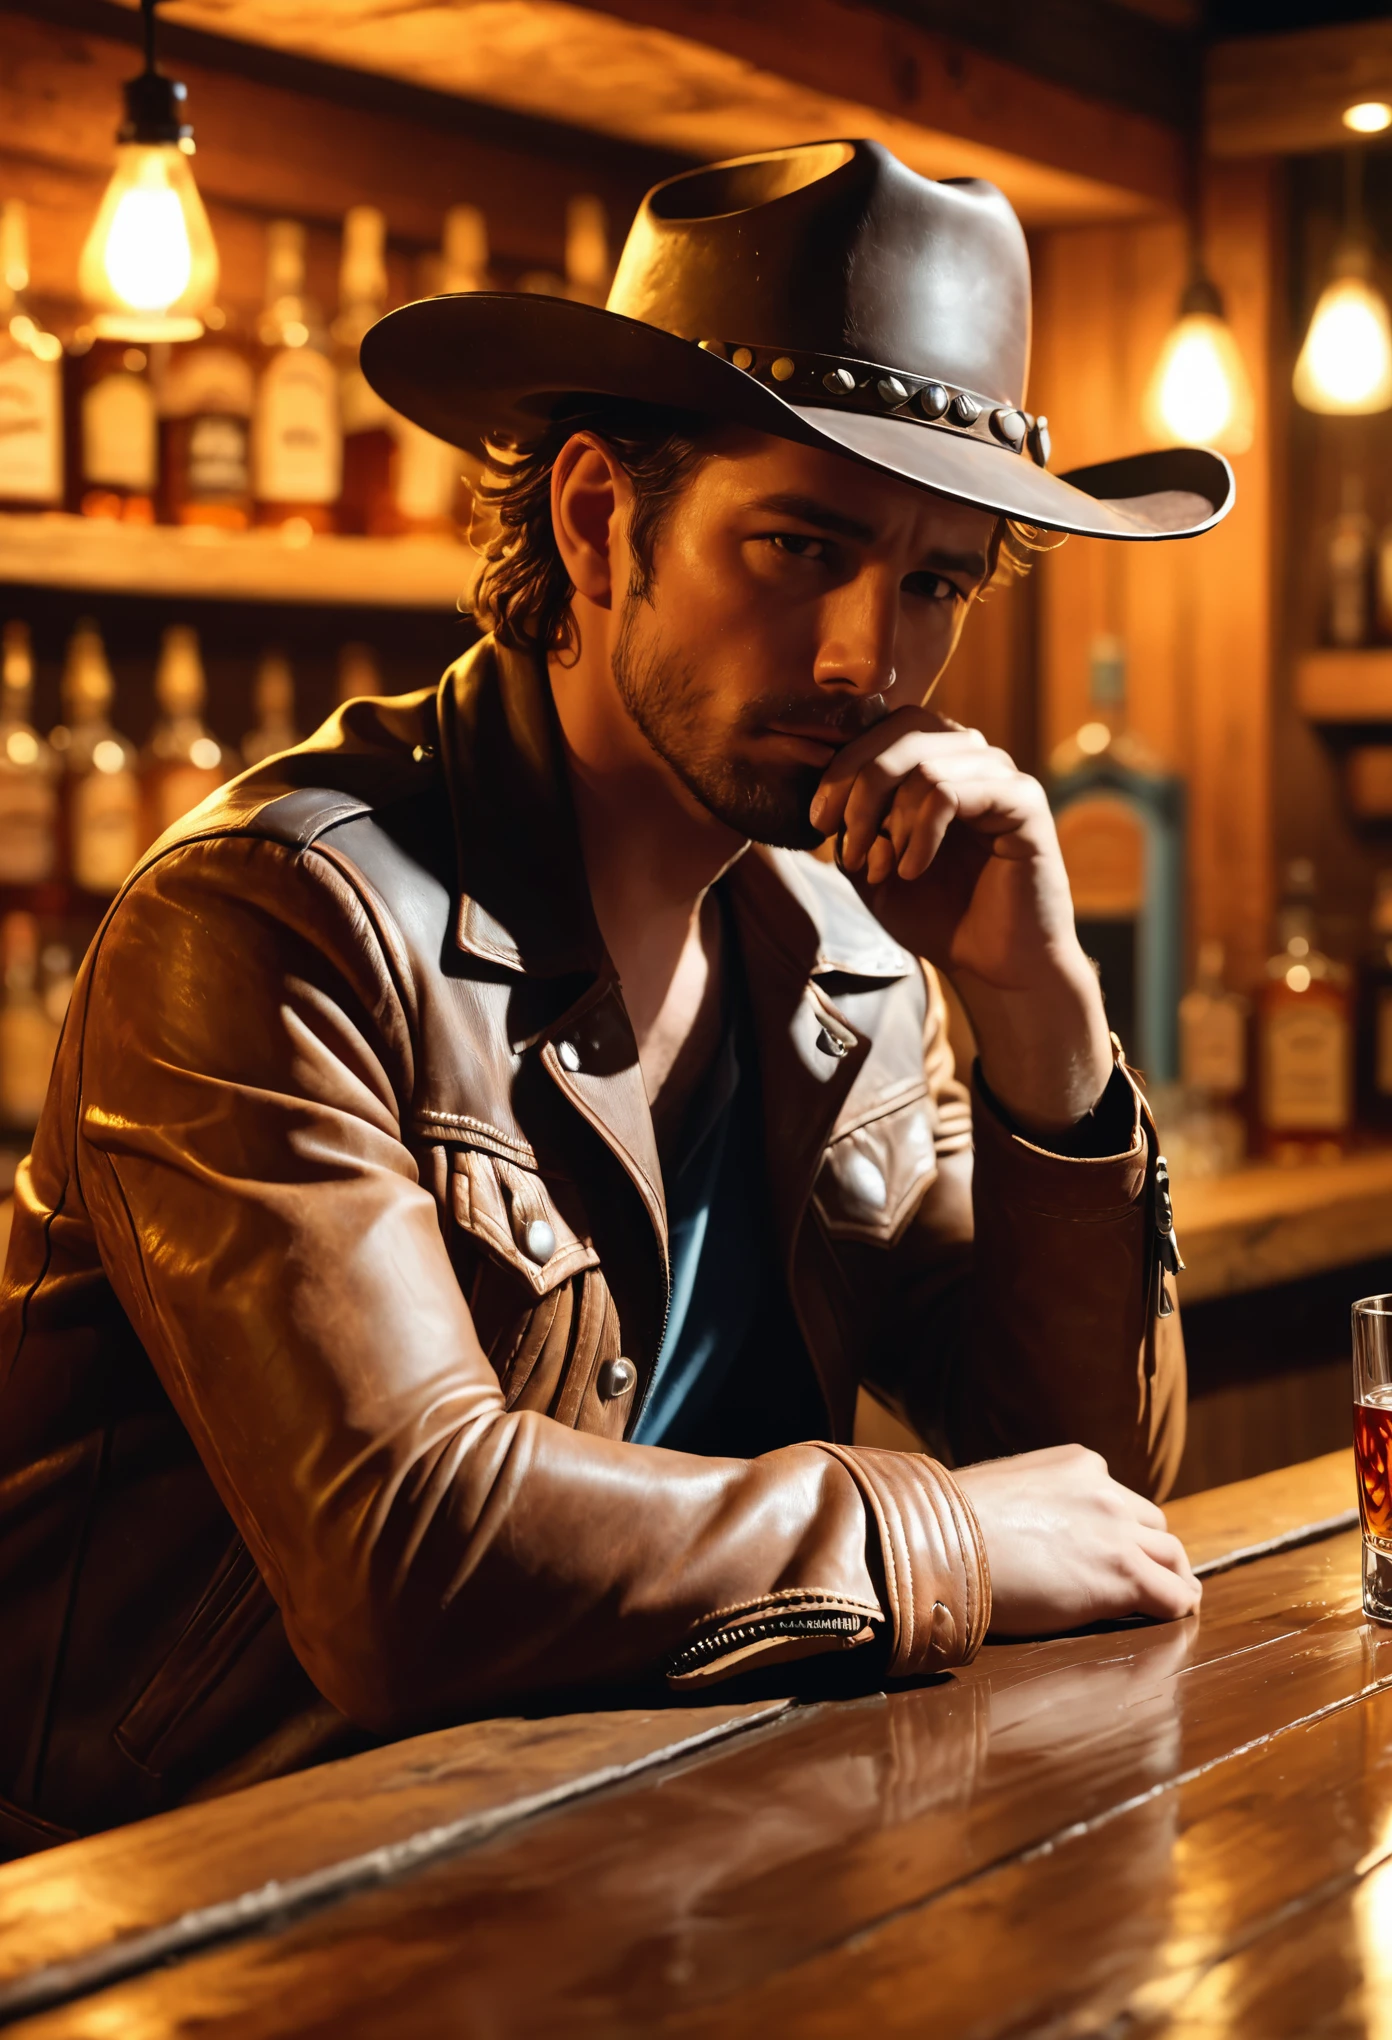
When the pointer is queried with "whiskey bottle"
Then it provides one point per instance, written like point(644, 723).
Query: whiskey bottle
point(429, 492)
point(1350, 569)
point(1375, 1013)
point(365, 506)
point(1120, 818)
point(182, 762)
point(1304, 1035)
point(115, 435)
point(297, 444)
point(358, 673)
point(273, 700)
point(28, 773)
point(205, 404)
point(28, 1036)
point(99, 794)
point(31, 382)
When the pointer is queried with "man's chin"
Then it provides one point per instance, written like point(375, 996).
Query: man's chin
point(774, 813)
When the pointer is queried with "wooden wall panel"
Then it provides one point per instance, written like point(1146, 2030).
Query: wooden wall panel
point(1196, 616)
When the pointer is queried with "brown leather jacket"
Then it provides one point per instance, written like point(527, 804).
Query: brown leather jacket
point(295, 1423)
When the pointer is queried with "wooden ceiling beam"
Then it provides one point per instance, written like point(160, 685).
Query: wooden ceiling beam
point(1285, 95)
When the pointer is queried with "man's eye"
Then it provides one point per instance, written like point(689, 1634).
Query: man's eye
point(798, 545)
point(932, 588)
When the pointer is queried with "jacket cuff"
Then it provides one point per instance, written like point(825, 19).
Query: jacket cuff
point(1075, 1184)
point(937, 1584)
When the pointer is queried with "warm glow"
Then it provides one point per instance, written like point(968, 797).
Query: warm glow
point(1093, 738)
point(1199, 394)
point(1369, 117)
point(149, 267)
point(1346, 362)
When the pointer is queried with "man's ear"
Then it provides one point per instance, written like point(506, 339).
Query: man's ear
point(588, 486)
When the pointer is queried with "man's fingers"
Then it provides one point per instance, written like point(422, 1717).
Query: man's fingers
point(1143, 1509)
point(1166, 1550)
point(949, 742)
point(1162, 1593)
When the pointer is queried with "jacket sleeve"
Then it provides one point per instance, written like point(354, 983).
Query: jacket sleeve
point(1022, 1309)
point(247, 1060)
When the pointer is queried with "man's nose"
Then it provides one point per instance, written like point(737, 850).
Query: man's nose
point(860, 621)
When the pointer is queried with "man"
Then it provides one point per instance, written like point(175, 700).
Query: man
point(477, 1163)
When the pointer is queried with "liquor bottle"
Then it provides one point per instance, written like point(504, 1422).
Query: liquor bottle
point(588, 268)
point(1213, 1030)
point(1120, 818)
point(182, 762)
point(365, 505)
point(99, 792)
point(1375, 1013)
point(28, 1036)
point(430, 496)
point(1350, 569)
point(114, 431)
point(297, 445)
point(31, 382)
point(205, 404)
point(358, 673)
point(273, 699)
point(1304, 1035)
point(28, 773)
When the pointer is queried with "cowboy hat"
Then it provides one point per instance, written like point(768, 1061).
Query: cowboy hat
point(826, 294)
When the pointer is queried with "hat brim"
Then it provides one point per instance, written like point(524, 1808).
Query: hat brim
point(467, 366)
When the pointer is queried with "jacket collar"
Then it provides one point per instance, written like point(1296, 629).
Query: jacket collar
point(524, 901)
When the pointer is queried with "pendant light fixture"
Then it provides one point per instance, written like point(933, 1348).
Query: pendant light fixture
point(1199, 393)
point(149, 267)
point(1345, 365)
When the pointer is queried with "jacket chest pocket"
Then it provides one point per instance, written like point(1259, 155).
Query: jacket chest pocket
point(530, 1273)
point(874, 1174)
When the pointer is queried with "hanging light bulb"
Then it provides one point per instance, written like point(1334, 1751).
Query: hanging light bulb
point(1345, 365)
point(149, 266)
point(1199, 393)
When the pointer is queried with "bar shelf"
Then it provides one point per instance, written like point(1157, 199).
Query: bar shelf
point(97, 557)
point(1345, 687)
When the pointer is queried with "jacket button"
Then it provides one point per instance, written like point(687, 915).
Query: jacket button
point(569, 1055)
point(539, 1241)
point(615, 1378)
point(829, 1045)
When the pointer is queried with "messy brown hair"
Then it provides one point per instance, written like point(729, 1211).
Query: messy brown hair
point(524, 593)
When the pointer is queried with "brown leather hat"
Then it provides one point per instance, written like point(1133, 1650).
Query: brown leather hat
point(825, 293)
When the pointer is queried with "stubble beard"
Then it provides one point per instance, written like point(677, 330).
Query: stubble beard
point(662, 691)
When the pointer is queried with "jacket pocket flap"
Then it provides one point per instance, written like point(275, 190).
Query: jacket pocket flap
point(873, 1176)
point(518, 1219)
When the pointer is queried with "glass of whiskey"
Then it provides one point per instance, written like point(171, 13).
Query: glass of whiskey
point(1372, 1448)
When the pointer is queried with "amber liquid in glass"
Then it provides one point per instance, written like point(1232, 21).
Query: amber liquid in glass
point(1372, 1446)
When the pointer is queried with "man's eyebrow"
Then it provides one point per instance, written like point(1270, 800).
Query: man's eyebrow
point(808, 510)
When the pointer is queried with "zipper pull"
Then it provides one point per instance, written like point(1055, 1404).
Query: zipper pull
point(1167, 1255)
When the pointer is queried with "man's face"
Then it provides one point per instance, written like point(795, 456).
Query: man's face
point(796, 598)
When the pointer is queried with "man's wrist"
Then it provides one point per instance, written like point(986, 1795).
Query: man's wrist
point(1045, 1051)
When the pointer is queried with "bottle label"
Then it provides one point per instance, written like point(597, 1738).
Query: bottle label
point(1103, 843)
point(1382, 1043)
point(219, 462)
point(178, 789)
point(119, 433)
point(298, 447)
point(105, 830)
point(1306, 1081)
point(425, 474)
point(212, 379)
point(1213, 1044)
point(31, 429)
point(28, 806)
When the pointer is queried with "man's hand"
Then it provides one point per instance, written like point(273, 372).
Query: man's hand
point(1068, 1545)
point(956, 853)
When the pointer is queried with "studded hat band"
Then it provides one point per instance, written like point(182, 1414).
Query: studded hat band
point(866, 386)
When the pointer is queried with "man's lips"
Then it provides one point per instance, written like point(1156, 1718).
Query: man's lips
point(816, 745)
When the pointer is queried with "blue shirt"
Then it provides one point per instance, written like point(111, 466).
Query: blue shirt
point(733, 1375)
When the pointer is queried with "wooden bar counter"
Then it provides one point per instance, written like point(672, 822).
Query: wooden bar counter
point(1178, 1830)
